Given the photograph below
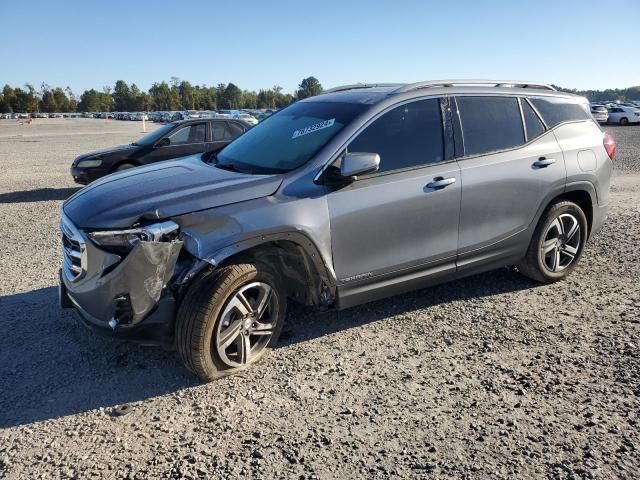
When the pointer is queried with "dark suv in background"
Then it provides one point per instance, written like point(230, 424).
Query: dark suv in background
point(173, 140)
point(363, 192)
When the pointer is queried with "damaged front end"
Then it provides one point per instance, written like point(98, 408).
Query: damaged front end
point(120, 281)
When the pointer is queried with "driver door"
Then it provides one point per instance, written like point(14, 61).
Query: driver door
point(399, 224)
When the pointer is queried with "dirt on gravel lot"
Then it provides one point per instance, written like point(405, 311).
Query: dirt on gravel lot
point(489, 377)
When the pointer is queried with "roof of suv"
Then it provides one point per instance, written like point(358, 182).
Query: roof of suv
point(375, 92)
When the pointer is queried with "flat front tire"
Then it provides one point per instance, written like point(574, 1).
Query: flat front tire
point(229, 319)
point(557, 243)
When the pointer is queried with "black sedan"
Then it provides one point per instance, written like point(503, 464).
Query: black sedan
point(173, 140)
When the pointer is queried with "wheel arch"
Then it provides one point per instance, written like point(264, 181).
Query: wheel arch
point(582, 193)
point(296, 258)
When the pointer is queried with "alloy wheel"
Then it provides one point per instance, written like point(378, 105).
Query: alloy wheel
point(561, 243)
point(247, 324)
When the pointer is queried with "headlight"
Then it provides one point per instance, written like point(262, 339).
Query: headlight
point(120, 240)
point(89, 163)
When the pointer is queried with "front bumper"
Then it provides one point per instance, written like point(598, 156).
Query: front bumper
point(128, 300)
point(84, 176)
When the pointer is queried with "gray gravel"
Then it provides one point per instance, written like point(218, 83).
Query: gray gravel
point(489, 377)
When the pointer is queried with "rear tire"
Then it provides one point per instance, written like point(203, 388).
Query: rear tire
point(557, 243)
point(229, 319)
point(624, 121)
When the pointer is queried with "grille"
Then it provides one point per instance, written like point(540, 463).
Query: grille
point(74, 250)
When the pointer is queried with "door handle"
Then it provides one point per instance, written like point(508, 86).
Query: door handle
point(544, 162)
point(440, 182)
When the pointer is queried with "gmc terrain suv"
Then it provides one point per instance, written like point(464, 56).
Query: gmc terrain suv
point(363, 192)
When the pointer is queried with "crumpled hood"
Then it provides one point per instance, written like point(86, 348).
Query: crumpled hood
point(163, 190)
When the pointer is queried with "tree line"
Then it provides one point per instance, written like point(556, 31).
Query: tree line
point(163, 96)
point(181, 95)
point(608, 95)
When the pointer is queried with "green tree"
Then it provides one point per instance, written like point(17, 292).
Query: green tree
point(121, 96)
point(309, 87)
point(90, 101)
point(62, 101)
point(186, 94)
point(231, 97)
point(161, 97)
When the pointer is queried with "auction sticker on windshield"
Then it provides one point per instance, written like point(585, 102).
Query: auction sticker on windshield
point(313, 128)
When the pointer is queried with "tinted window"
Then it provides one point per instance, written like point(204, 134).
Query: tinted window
point(407, 136)
point(290, 137)
point(151, 138)
point(532, 123)
point(189, 134)
point(219, 131)
point(557, 110)
point(490, 123)
point(233, 130)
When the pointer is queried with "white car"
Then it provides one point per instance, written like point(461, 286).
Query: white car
point(245, 117)
point(624, 115)
point(600, 113)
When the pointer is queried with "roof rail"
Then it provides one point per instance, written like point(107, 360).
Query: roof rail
point(452, 83)
point(343, 88)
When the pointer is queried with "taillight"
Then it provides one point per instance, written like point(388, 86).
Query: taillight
point(609, 145)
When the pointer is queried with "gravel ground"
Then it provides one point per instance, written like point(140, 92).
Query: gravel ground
point(489, 377)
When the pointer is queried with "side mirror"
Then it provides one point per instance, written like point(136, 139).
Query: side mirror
point(354, 164)
point(163, 143)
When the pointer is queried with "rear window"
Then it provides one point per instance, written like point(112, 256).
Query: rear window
point(559, 110)
point(490, 124)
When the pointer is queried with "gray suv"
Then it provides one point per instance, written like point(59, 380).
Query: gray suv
point(363, 192)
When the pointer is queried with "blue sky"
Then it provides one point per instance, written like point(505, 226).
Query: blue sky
point(258, 44)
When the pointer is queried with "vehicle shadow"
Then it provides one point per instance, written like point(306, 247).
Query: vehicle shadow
point(38, 195)
point(51, 366)
point(305, 324)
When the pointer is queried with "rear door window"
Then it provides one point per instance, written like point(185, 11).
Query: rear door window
point(219, 129)
point(532, 123)
point(556, 110)
point(490, 124)
point(407, 136)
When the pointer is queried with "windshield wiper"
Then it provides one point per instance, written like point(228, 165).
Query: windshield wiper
point(228, 166)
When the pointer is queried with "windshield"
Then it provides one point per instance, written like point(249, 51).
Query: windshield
point(156, 135)
point(289, 138)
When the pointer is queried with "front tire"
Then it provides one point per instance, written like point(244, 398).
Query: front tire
point(557, 243)
point(229, 319)
point(624, 121)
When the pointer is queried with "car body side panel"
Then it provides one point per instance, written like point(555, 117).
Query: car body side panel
point(501, 192)
point(582, 143)
point(215, 234)
point(386, 223)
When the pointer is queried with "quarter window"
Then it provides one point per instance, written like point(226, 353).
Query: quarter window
point(490, 124)
point(407, 136)
point(225, 131)
point(189, 134)
point(234, 130)
point(532, 123)
point(556, 110)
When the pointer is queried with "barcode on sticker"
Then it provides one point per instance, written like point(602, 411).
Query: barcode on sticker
point(313, 128)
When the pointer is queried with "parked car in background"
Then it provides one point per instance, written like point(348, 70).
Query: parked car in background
point(600, 113)
point(246, 118)
point(363, 192)
point(623, 115)
point(173, 140)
